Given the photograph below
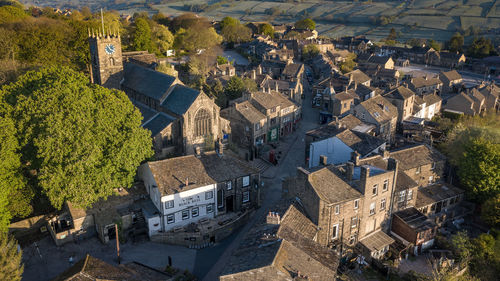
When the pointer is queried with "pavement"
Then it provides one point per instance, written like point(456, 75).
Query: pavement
point(47, 260)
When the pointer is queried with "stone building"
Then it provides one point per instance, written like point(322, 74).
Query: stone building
point(248, 125)
point(403, 98)
point(414, 229)
point(180, 118)
point(348, 203)
point(452, 81)
point(381, 113)
point(425, 85)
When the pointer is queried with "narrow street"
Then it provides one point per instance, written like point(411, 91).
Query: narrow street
point(287, 167)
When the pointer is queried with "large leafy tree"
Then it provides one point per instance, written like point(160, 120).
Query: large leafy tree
point(77, 141)
point(142, 35)
point(266, 29)
point(490, 211)
point(479, 169)
point(196, 38)
point(305, 24)
point(481, 47)
point(456, 43)
point(11, 267)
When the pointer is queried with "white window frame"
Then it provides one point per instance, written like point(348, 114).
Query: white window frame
point(372, 208)
point(431, 179)
point(335, 235)
point(195, 212)
point(382, 204)
point(337, 209)
point(354, 222)
point(419, 170)
point(169, 204)
point(229, 185)
point(356, 204)
point(246, 196)
point(375, 189)
point(170, 218)
point(410, 194)
point(209, 194)
point(386, 185)
point(246, 181)
point(185, 214)
point(401, 196)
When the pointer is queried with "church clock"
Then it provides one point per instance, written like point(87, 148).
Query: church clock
point(109, 49)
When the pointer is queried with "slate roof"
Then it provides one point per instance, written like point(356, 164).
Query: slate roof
point(180, 99)
point(146, 81)
point(378, 59)
point(345, 96)
point(403, 181)
point(380, 109)
point(90, 269)
point(400, 92)
point(292, 69)
point(171, 174)
point(416, 156)
point(146, 112)
point(415, 219)
point(332, 188)
point(451, 75)
point(360, 142)
point(296, 220)
point(435, 193)
point(159, 122)
point(249, 112)
point(377, 241)
point(419, 82)
point(265, 100)
point(358, 76)
point(264, 273)
point(282, 85)
point(349, 122)
point(431, 99)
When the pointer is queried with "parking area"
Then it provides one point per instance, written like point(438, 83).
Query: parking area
point(44, 260)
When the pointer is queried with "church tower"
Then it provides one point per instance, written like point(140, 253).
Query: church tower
point(106, 59)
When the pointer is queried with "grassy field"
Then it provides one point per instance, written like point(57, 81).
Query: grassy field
point(436, 19)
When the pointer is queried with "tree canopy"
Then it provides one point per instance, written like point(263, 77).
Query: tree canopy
point(305, 24)
point(481, 47)
point(490, 211)
point(237, 86)
point(11, 267)
point(266, 29)
point(77, 141)
point(310, 51)
point(142, 36)
point(456, 43)
point(196, 39)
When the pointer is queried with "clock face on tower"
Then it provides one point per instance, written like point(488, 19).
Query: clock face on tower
point(109, 49)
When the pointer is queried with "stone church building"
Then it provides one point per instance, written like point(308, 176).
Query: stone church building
point(180, 119)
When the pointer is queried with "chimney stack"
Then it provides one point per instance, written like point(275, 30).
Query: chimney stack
point(187, 182)
point(365, 173)
point(276, 85)
point(392, 164)
point(349, 171)
point(323, 160)
point(355, 158)
point(254, 74)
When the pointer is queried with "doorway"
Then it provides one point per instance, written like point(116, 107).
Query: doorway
point(229, 203)
point(111, 232)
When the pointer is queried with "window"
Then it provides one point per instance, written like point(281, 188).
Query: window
point(335, 231)
point(210, 208)
point(185, 214)
point(433, 207)
point(257, 126)
point(246, 196)
point(356, 203)
point(433, 166)
point(431, 179)
point(354, 222)
point(337, 209)
point(410, 194)
point(170, 219)
point(419, 169)
point(229, 185)
point(195, 212)
point(372, 208)
point(382, 204)
point(220, 198)
point(202, 123)
point(246, 181)
point(386, 185)
point(375, 189)
point(169, 204)
point(445, 203)
point(402, 195)
point(209, 195)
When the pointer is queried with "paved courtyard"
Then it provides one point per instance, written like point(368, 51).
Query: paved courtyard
point(49, 260)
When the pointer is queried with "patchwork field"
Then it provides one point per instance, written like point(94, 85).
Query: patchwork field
point(436, 19)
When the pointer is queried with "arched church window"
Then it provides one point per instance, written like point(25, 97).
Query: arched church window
point(112, 61)
point(202, 123)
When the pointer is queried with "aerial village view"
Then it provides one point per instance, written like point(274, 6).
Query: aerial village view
point(250, 140)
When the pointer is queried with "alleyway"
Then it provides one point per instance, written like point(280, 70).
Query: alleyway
point(293, 158)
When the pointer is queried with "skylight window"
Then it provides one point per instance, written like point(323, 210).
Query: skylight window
point(376, 114)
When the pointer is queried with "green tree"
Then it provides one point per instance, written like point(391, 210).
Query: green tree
point(236, 33)
point(461, 246)
point(490, 211)
point(187, 21)
point(11, 14)
point(393, 35)
point(163, 39)
point(78, 141)
point(456, 43)
point(196, 39)
point(305, 24)
point(11, 267)
point(234, 88)
point(349, 63)
point(266, 29)
point(481, 47)
point(434, 44)
point(142, 36)
point(167, 69)
point(221, 60)
point(479, 169)
point(310, 51)
point(228, 21)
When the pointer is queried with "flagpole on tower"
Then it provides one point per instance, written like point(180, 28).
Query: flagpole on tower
point(102, 22)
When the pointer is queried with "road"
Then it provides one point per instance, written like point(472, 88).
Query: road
point(470, 78)
point(272, 195)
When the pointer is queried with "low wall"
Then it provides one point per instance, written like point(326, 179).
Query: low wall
point(28, 230)
point(200, 239)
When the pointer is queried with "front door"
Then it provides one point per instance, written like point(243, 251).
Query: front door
point(229, 203)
